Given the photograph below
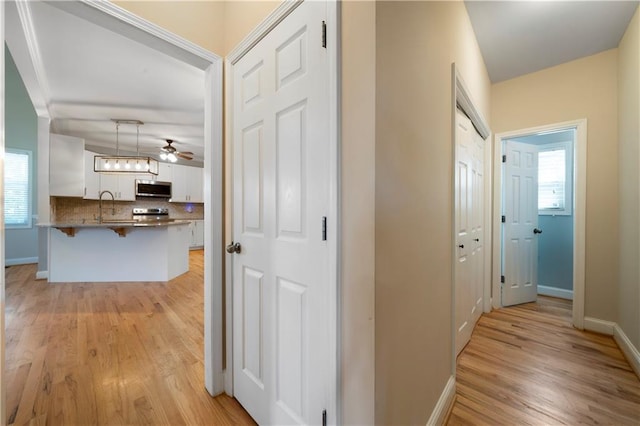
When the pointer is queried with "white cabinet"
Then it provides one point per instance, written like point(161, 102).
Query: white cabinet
point(66, 166)
point(121, 186)
point(196, 228)
point(187, 184)
point(91, 178)
point(164, 173)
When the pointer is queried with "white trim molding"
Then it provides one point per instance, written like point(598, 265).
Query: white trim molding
point(599, 326)
point(555, 292)
point(630, 352)
point(444, 404)
point(20, 261)
point(42, 275)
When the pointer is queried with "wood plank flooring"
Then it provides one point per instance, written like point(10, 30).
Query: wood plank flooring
point(527, 365)
point(109, 353)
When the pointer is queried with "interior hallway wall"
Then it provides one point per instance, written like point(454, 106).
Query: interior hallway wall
point(416, 42)
point(21, 132)
point(584, 88)
point(629, 177)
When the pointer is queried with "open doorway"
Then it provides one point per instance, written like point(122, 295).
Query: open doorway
point(539, 226)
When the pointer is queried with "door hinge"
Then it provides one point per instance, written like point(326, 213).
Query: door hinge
point(504, 158)
point(324, 417)
point(503, 219)
point(324, 34)
point(502, 279)
point(324, 228)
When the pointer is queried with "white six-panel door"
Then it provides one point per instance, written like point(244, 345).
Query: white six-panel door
point(520, 243)
point(469, 228)
point(280, 196)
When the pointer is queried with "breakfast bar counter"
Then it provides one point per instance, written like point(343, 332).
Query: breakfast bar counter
point(118, 251)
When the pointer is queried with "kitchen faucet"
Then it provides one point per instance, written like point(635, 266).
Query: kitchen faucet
point(113, 205)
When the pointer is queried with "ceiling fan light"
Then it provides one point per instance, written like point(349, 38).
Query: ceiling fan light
point(163, 155)
point(171, 157)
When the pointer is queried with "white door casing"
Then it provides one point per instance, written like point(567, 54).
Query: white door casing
point(281, 277)
point(477, 225)
point(469, 229)
point(520, 243)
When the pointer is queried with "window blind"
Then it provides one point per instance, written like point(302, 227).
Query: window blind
point(551, 179)
point(17, 197)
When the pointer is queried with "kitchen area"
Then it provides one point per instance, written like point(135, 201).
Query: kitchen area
point(120, 226)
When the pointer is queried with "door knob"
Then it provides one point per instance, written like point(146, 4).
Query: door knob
point(537, 231)
point(461, 245)
point(477, 240)
point(234, 248)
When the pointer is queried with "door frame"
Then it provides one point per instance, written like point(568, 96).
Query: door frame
point(461, 97)
point(333, 234)
point(579, 213)
point(113, 17)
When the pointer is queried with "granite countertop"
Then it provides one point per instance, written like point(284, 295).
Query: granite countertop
point(119, 223)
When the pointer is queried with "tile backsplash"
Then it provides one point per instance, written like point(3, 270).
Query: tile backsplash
point(65, 209)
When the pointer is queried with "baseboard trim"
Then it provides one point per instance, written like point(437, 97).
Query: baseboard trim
point(555, 292)
point(630, 352)
point(441, 410)
point(599, 326)
point(42, 275)
point(20, 261)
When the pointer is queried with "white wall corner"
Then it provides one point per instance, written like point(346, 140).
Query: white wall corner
point(599, 326)
point(630, 352)
point(445, 402)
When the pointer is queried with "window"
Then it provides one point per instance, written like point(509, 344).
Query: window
point(555, 163)
point(17, 189)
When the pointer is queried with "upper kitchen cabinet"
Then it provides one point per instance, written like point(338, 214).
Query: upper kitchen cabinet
point(123, 187)
point(66, 166)
point(187, 184)
point(91, 178)
point(165, 173)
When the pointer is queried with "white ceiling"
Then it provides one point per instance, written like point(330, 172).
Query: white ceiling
point(520, 37)
point(92, 75)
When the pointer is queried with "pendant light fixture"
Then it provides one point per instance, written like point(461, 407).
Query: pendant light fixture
point(126, 164)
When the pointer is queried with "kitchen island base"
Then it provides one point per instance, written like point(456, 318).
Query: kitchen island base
point(98, 254)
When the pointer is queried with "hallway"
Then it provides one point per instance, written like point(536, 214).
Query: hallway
point(527, 365)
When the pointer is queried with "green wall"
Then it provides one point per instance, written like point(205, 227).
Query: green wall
point(21, 132)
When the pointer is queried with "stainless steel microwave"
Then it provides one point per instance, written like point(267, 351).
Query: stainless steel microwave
point(153, 188)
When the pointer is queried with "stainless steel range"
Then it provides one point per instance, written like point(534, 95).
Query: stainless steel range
point(151, 215)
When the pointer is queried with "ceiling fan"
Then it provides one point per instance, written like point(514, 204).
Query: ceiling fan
point(169, 152)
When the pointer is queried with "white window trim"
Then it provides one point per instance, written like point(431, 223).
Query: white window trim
point(29, 223)
point(568, 193)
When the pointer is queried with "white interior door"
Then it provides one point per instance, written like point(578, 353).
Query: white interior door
point(469, 229)
point(281, 195)
point(520, 242)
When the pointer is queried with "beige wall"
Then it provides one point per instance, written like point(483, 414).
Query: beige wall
point(358, 211)
point(416, 44)
point(243, 16)
point(629, 177)
point(201, 22)
point(218, 26)
point(584, 88)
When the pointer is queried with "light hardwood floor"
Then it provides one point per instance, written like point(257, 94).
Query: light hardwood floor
point(527, 365)
point(109, 353)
